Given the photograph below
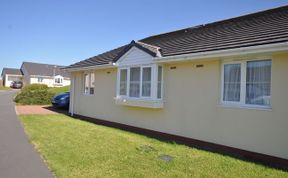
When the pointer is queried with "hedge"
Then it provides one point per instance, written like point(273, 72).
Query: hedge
point(34, 94)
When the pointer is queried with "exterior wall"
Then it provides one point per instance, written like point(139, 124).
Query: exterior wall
point(66, 82)
point(46, 80)
point(7, 82)
point(26, 76)
point(192, 107)
point(49, 81)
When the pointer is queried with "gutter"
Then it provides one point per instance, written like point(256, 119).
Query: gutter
point(268, 48)
point(72, 95)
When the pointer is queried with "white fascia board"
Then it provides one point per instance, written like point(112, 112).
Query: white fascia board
point(278, 47)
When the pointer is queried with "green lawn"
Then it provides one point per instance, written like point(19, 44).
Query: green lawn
point(74, 148)
point(59, 89)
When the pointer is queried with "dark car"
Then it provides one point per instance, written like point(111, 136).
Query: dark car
point(61, 100)
point(16, 84)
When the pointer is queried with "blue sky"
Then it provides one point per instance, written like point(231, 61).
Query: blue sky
point(66, 31)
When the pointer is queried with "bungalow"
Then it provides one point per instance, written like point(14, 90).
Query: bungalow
point(9, 75)
point(30, 73)
point(48, 74)
point(220, 86)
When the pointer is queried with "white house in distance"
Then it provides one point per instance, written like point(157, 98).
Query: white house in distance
point(31, 72)
point(9, 75)
point(221, 86)
point(48, 74)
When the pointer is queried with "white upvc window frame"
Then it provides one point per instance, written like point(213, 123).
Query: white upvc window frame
point(242, 102)
point(89, 83)
point(162, 80)
point(60, 78)
point(128, 81)
point(153, 90)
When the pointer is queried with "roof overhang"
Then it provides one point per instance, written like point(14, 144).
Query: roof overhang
point(263, 49)
point(103, 66)
point(267, 48)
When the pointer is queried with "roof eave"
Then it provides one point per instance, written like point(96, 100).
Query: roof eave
point(103, 66)
point(267, 48)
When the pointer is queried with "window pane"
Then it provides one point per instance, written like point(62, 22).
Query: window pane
point(134, 90)
point(232, 82)
point(258, 82)
point(58, 80)
point(86, 83)
point(146, 81)
point(159, 82)
point(123, 81)
point(92, 81)
point(40, 79)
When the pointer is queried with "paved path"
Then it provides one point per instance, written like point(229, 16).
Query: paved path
point(35, 109)
point(18, 159)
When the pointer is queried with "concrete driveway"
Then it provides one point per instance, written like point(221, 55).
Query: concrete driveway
point(18, 158)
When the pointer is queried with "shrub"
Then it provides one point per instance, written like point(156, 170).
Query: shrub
point(35, 86)
point(37, 94)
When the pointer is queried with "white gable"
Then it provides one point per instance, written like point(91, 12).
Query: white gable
point(135, 56)
point(58, 76)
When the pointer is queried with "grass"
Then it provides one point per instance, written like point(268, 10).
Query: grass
point(59, 89)
point(74, 148)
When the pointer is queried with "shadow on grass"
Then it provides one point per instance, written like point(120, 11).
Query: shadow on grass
point(58, 110)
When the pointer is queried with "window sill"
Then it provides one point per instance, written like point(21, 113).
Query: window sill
point(139, 102)
point(250, 107)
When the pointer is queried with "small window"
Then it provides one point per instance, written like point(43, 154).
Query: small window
point(89, 83)
point(58, 80)
point(159, 82)
point(146, 82)
point(134, 90)
point(40, 79)
point(123, 82)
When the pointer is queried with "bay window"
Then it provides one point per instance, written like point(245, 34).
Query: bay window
point(247, 83)
point(89, 80)
point(140, 83)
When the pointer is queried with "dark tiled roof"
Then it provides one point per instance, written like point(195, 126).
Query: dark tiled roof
point(101, 59)
point(12, 71)
point(265, 27)
point(44, 69)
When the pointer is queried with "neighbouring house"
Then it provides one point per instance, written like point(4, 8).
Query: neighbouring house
point(221, 85)
point(9, 75)
point(30, 72)
point(48, 74)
